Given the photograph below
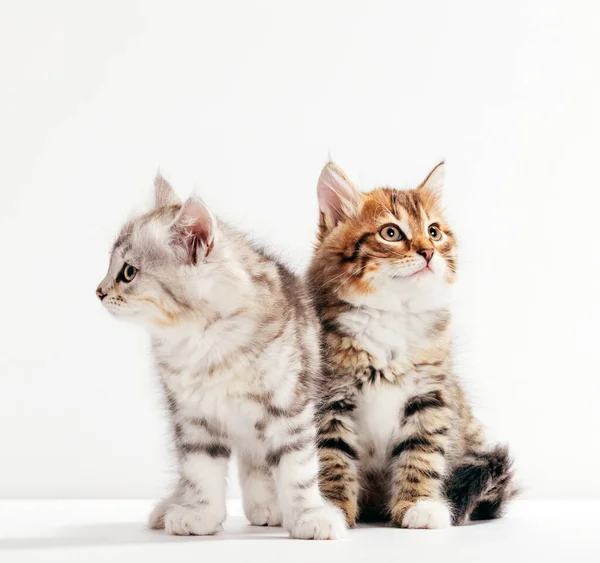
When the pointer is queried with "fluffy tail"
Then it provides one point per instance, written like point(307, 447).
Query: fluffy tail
point(480, 488)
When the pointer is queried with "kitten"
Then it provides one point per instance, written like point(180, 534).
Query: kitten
point(397, 437)
point(236, 343)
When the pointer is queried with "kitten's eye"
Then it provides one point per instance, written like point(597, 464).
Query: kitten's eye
point(434, 232)
point(129, 272)
point(391, 233)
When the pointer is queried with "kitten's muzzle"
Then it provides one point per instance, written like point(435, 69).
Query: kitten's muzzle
point(101, 295)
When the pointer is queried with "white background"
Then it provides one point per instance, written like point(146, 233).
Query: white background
point(242, 102)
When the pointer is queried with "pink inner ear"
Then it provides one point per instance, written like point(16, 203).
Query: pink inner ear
point(194, 229)
point(191, 243)
point(331, 203)
point(337, 196)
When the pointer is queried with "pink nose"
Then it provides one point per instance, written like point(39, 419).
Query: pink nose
point(426, 253)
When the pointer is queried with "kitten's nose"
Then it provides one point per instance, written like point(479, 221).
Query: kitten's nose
point(101, 295)
point(426, 253)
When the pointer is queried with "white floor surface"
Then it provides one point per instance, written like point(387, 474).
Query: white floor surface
point(90, 531)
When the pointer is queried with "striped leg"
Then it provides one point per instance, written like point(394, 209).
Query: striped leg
point(295, 467)
point(419, 465)
point(199, 507)
point(258, 491)
point(338, 457)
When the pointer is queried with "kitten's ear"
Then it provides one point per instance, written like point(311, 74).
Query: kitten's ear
point(164, 194)
point(338, 198)
point(194, 230)
point(433, 185)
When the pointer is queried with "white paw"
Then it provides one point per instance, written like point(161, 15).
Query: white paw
point(201, 520)
point(431, 514)
point(265, 514)
point(323, 523)
point(156, 520)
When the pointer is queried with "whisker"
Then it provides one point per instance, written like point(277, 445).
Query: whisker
point(330, 280)
point(350, 276)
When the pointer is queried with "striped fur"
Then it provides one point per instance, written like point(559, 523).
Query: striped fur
point(397, 438)
point(236, 343)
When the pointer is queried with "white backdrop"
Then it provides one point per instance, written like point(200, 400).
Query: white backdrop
point(242, 102)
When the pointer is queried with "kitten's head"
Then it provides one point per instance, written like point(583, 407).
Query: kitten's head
point(384, 244)
point(163, 262)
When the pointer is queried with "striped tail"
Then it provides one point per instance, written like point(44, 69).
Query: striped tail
point(480, 488)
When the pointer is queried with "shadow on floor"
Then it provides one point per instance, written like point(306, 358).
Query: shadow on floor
point(126, 534)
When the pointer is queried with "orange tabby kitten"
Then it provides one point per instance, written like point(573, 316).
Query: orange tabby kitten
point(397, 437)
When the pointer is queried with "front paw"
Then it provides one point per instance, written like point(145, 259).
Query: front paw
point(323, 523)
point(200, 520)
point(427, 513)
point(264, 514)
point(156, 520)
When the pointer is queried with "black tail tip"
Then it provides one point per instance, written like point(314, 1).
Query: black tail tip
point(481, 488)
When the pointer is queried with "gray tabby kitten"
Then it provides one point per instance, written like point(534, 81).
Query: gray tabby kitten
point(236, 344)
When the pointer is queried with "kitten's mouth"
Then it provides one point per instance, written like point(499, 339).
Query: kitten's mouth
point(419, 273)
point(117, 309)
point(422, 272)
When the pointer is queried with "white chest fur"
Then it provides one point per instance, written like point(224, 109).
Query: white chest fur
point(396, 319)
point(377, 417)
point(388, 336)
point(391, 337)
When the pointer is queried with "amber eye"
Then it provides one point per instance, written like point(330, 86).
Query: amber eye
point(391, 233)
point(434, 232)
point(128, 272)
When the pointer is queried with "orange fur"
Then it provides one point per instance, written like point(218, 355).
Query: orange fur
point(369, 245)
